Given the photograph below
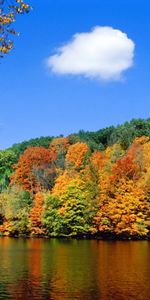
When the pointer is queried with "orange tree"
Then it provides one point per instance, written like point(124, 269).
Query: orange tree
point(35, 169)
point(123, 201)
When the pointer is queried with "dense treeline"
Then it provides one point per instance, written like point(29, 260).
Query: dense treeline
point(90, 183)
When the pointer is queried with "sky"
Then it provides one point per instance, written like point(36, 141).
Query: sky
point(77, 64)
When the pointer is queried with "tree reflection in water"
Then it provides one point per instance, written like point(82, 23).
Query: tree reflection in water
point(74, 269)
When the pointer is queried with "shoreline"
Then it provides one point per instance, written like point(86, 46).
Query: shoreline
point(98, 237)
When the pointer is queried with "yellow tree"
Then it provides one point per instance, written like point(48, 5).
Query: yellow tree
point(36, 215)
point(76, 155)
point(124, 212)
point(124, 206)
point(8, 12)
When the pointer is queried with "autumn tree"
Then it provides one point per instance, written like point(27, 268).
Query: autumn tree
point(8, 12)
point(77, 155)
point(69, 213)
point(125, 212)
point(75, 190)
point(35, 217)
point(15, 204)
point(59, 147)
point(124, 206)
point(35, 169)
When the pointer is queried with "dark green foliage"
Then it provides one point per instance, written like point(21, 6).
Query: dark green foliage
point(97, 140)
point(123, 134)
point(7, 159)
point(19, 148)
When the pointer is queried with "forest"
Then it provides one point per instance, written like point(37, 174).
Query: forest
point(88, 184)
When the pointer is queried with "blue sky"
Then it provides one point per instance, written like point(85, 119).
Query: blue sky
point(36, 102)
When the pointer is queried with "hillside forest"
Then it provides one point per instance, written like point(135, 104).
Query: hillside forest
point(89, 184)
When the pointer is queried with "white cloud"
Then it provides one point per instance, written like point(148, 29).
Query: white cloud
point(104, 53)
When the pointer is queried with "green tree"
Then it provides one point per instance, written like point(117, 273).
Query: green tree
point(7, 159)
point(15, 205)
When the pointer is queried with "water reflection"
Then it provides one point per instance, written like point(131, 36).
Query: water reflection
point(70, 269)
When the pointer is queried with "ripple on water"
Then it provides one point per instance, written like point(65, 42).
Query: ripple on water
point(64, 270)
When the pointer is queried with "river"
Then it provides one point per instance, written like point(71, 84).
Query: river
point(57, 269)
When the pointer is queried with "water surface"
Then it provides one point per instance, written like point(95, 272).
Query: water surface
point(55, 269)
